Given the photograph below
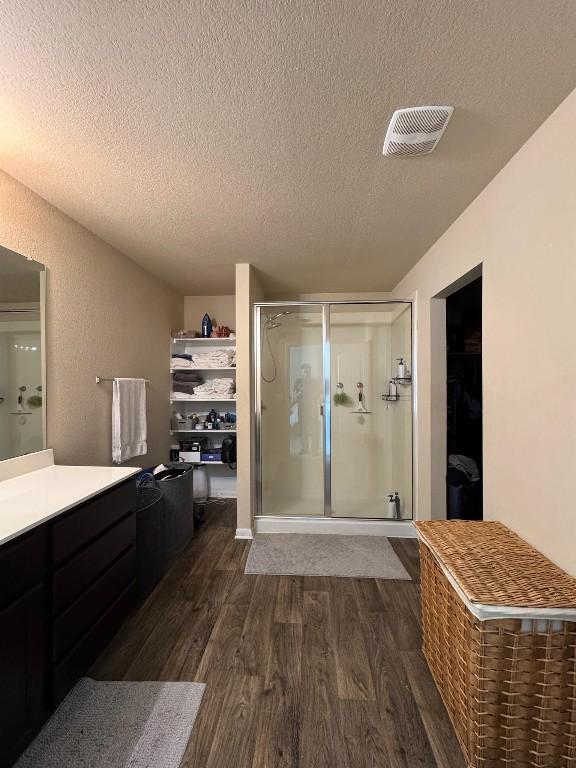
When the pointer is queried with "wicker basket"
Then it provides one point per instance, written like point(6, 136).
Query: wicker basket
point(499, 626)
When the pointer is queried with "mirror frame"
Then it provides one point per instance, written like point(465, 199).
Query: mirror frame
point(43, 277)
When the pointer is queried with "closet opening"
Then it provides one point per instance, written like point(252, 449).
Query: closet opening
point(464, 476)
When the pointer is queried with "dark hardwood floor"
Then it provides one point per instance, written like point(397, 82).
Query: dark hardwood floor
point(301, 671)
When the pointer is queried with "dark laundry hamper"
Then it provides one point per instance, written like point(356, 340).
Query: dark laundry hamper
point(178, 490)
point(149, 534)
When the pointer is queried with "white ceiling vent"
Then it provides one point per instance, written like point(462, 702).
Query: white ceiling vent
point(416, 130)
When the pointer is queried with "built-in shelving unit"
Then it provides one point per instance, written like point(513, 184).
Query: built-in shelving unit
point(202, 405)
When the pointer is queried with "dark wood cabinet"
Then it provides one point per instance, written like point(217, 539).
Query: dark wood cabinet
point(22, 673)
point(65, 589)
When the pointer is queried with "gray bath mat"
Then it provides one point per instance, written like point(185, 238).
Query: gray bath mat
point(117, 725)
point(310, 554)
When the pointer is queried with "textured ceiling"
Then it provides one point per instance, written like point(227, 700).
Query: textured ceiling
point(194, 135)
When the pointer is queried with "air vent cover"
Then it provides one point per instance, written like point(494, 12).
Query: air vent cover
point(416, 130)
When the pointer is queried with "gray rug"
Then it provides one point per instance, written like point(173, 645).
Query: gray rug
point(310, 554)
point(117, 725)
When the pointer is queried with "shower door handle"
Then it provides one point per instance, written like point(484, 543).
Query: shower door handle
point(322, 409)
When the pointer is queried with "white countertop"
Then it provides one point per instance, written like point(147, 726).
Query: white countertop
point(40, 493)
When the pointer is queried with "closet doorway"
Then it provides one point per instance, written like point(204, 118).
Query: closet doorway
point(464, 476)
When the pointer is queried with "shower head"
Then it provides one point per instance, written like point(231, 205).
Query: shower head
point(272, 320)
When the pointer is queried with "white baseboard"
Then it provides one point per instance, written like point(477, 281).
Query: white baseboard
point(392, 528)
point(244, 533)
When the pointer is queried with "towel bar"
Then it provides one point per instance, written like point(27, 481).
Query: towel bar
point(101, 378)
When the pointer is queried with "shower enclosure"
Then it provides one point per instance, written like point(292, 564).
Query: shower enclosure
point(334, 409)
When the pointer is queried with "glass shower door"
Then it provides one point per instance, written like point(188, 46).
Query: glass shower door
point(291, 391)
point(371, 438)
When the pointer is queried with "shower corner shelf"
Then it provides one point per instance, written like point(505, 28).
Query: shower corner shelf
point(402, 380)
point(391, 398)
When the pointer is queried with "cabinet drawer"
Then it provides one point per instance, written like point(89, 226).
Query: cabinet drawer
point(83, 524)
point(83, 613)
point(74, 577)
point(22, 670)
point(22, 563)
point(83, 655)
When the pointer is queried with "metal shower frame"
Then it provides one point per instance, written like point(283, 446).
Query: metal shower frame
point(327, 390)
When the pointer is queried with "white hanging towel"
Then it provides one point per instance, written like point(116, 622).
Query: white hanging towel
point(128, 419)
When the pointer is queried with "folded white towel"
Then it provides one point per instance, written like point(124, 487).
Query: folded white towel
point(221, 358)
point(215, 387)
point(128, 419)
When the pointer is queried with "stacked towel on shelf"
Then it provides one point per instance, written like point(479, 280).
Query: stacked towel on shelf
point(183, 396)
point(186, 381)
point(188, 376)
point(182, 361)
point(215, 388)
point(214, 358)
point(209, 358)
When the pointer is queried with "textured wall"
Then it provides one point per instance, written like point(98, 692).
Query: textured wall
point(105, 316)
point(522, 230)
point(220, 308)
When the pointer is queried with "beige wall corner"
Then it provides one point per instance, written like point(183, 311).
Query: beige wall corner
point(522, 230)
point(248, 291)
point(221, 309)
point(104, 316)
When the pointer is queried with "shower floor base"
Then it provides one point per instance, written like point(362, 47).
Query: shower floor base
point(371, 509)
point(338, 525)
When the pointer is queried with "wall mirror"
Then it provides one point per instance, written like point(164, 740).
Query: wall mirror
point(22, 357)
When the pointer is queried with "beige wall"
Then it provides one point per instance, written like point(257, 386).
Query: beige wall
point(522, 229)
point(247, 292)
point(350, 296)
point(105, 316)
point(220, 308)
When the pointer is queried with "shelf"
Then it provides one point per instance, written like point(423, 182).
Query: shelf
point(216, 340)
point(199, 368)
point(205, 431)
point(203, 400)
point(391, 398)
point(399, 380)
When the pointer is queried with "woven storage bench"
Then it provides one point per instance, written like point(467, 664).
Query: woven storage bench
point(499, 627)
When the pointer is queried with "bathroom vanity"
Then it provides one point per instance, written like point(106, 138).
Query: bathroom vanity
point(67, 581)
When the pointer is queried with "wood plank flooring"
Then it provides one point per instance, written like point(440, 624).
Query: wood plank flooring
point(307, 672)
